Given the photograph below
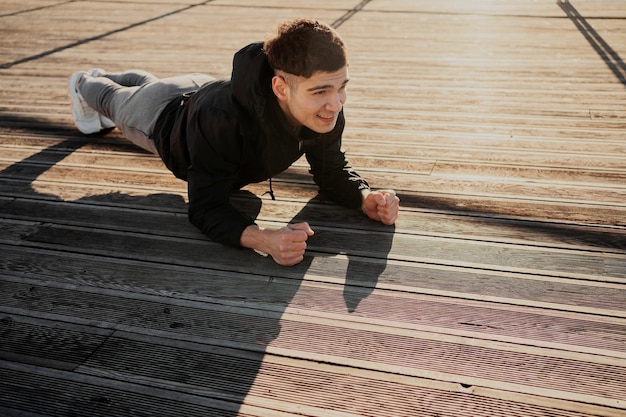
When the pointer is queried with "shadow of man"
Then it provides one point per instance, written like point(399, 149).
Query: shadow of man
point(346, 233)
point(226, 305)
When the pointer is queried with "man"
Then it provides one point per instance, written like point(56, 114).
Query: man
point(284, 99)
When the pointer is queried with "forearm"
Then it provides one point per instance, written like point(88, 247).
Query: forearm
point(222, 224)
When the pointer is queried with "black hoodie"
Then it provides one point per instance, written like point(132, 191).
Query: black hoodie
point(232, 133)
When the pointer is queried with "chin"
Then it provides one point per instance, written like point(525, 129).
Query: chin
point(322, 131)
point(323, 127)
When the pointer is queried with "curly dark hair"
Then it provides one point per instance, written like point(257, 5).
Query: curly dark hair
point(304, 46)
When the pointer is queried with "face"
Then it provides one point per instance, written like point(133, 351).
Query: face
point(314, 102)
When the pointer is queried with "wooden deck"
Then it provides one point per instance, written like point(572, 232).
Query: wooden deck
point(501, 290)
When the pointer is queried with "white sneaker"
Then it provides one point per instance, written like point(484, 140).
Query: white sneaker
point(105, 122)
point(96, 72)
point(86, 119)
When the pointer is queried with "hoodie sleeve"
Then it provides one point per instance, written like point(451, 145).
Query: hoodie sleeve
point(331, 171)
point(215, 151)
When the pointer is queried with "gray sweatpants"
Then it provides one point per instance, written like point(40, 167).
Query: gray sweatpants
point(135, 99)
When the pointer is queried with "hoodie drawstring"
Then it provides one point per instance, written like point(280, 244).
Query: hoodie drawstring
point(271, 191)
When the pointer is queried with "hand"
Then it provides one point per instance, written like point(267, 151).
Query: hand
point(285, 245)
point(382, 206)
point(289, 243)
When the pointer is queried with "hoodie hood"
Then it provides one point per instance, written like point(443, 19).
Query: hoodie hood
point(251, 86)
point(251, 78)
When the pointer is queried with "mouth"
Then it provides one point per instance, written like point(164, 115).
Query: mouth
point(327, 118)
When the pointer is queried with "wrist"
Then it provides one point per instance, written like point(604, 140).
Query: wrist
point(364, 193)
point(254, 237)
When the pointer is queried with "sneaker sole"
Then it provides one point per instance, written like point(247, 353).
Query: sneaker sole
point(85, 118)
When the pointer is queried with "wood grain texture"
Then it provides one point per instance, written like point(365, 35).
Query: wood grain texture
point(501, 289)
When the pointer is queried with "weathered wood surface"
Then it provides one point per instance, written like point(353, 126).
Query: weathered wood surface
point(501, 290)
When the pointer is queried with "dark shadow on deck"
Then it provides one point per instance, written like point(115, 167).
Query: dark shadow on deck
point(566, 233)
point(211, 363)
point(608, 55)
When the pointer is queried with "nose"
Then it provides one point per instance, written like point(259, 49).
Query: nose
point(335, 103)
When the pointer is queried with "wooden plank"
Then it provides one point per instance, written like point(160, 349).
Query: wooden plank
point(398, 272)
point(576, 168)
point(601, 168)
point(603, 212)
point(44, 343)
point(96, 396)
point(11, 8)
point(172, 216)
point(409, 310)
point(453, 359)
point(57, 18)
point(484, 206)
point(125, 395)
point(480, 255)
point(312, 387)
point(567, 192)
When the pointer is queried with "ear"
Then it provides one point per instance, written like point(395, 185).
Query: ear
point(280, 87)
